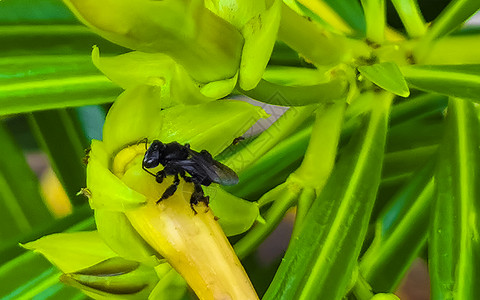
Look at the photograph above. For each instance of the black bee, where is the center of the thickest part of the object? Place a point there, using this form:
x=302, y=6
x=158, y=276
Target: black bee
x=180, y=160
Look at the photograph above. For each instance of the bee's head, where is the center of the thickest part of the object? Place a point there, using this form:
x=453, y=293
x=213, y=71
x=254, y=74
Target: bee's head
x=153, y=155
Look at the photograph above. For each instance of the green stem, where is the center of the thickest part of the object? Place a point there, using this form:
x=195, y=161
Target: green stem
x=273, y=217
x=401, y=232
x=465, y=47
x=375, y=17
x=305, y=200
x=322, y=148
x=411, y=17
x=362, y=290
x=452, y=17
x=315, y=43
x=278, y=131
x=282, y=95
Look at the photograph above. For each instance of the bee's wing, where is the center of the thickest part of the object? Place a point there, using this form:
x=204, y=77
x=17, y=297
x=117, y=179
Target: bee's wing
x=203, y=163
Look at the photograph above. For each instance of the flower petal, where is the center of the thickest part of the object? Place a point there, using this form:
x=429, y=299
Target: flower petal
x=207, y=46
x=234, y=214
x=172, y=82
x=133, y=116
x=119, y=235
x=211, y=126
x=106, y=190
x=71, y=252
x=116, y=278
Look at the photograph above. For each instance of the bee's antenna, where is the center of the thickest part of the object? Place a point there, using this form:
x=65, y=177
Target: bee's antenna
x=146, y=170
x=145, y=140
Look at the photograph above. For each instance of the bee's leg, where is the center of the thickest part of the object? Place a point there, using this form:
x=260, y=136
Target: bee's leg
x=206, y=154
x=160, y=176
x=171, y=189
x=198, y=196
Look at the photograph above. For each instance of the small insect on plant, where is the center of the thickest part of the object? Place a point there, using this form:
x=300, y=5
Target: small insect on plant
x=178, y=160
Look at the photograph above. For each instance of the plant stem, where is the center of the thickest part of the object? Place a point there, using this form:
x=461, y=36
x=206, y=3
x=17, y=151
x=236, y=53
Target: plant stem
x=278, y=131
x=322, y=148
x=451, y=18
x=282, y=95
x=375, y=18
x=411, y=17
x=315, y=43
x=362, y=290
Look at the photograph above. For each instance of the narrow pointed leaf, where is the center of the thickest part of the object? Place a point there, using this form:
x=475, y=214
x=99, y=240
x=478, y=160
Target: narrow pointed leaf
x=114, y=277
x=319, y=264
x=451, y=80
x=30, y=274
x=452, y=17
x=350, y=11
x=59, y=134
x=43, y=82
x=453, y=242
x=21, y=203
x=30, y=40
x=401, y=233
x=386, y=75
x=71, y=252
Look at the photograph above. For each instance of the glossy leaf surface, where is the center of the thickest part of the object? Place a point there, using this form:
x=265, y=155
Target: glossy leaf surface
x=454, y=244
x=386, y=75
x=319, y=264
x=451, y=80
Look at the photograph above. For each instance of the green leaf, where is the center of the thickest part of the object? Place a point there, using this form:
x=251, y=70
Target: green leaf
x=10, y=248
x=350, y=11
x=386, y=75
x=45, y=12
x=453, y=242
x=21, y=203
x=455, y=49
x=59, y=134
x=451, y=80
x=31, y=274
x=401, y=233
x=74, y=251
x=452, y=17
x=283, y=126
x=319, y=263
x=207, y=46
x=211, y=126
x=68, y=82
x=171, y=285
x=29, y=40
